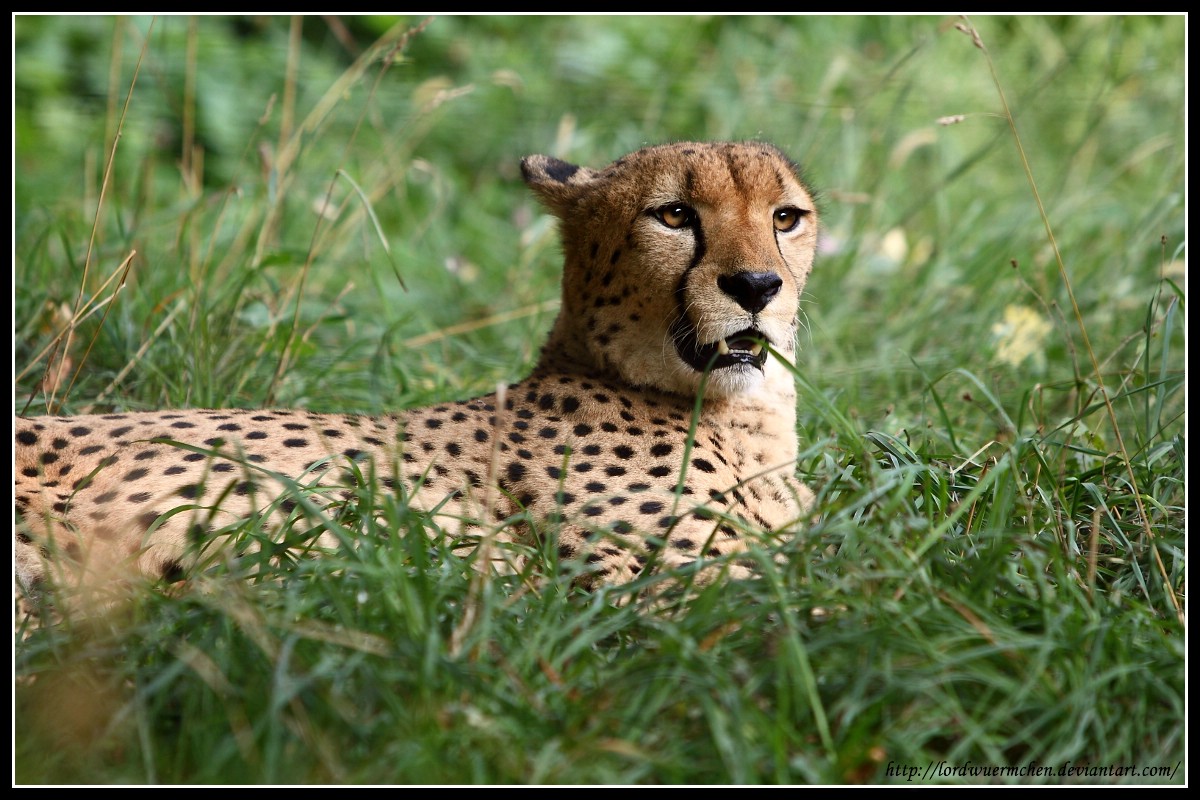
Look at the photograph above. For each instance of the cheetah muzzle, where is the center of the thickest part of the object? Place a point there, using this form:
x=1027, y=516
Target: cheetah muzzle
x=658, y=428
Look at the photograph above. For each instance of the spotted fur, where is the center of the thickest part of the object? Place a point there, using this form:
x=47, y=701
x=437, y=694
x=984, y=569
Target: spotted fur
x=681, y=261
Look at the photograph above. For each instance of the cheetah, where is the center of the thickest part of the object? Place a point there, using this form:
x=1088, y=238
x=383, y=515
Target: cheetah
x=658, y=426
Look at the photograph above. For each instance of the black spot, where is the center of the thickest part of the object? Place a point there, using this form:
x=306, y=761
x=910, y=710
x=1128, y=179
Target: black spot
x=661, y=449
x=136, y=474
x=172, y=571
x=256, y=435
x=223, y=466
x=180, y=425
x=453, y=449
x=570, y=404
x=352, y=453
x=592, y=450
x=595, y=487
x=216, y=441
x=548, y=433
x=583, y=466
x=660, y=471
x=138, y=497
x=148, y=519
x=245, y=487
x=553, y=472
x=600, y=397
x=638, y=487
x=80, y=431
x=117, y=433
x=608, y=427
x=618, y=500
x=614, y=472
x=49, y=458
x=582, y=430
x=59, y=444
x=229, y=426
x=546, y=402
x=593, y=511
x=621, y=526
x=680, y=544
x=623, y=451
x=31, y=472
x=27, y=437
x=433, y=422
x=515, y=437
x=295, y=442
x=703, y=465
x=87, y=451
x=332, y=433
x=481, y=435
x=145, y=455
x=516, y=471
x=107, y=497
x=190, y=491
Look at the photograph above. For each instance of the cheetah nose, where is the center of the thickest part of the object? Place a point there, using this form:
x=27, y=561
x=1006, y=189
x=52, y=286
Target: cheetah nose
x=752, y=290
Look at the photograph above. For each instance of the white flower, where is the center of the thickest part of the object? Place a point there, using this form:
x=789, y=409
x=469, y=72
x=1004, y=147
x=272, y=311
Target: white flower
x=1021, y=335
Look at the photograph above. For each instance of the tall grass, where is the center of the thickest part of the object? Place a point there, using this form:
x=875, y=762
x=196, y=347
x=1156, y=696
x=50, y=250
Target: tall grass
x=326, y=213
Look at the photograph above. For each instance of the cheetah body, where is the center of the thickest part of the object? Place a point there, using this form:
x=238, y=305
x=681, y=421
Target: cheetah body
x=681, y=261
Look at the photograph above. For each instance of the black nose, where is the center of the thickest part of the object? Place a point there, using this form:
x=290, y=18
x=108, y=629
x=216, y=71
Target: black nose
x=752, y=290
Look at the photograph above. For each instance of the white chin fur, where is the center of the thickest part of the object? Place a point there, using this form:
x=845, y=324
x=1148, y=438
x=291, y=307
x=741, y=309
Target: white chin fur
x=722, y=383
x=734, y=381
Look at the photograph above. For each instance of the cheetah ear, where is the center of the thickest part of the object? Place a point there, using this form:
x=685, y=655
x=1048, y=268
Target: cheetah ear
x=556, y=183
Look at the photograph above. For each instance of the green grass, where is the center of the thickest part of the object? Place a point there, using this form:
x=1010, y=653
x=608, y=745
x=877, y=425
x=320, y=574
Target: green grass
x=996, y=573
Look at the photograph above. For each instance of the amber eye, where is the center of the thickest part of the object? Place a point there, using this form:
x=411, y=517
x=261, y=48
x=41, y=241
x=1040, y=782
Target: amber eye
x=675, y=215
x=787, y=218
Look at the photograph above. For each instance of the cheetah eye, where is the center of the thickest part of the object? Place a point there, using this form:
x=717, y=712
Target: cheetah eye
x=787, y=218
x=675, y=215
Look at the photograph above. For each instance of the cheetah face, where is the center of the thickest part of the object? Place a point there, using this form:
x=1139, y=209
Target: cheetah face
x=739, y=295
x=684, y=264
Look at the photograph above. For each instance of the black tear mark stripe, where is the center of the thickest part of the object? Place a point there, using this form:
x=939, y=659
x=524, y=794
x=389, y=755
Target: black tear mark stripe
x=680, y=325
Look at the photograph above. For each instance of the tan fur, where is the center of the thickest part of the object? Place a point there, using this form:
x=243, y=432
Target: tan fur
x=594, y=437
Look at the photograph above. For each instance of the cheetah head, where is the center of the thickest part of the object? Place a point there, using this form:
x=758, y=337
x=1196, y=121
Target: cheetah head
x=684, y=264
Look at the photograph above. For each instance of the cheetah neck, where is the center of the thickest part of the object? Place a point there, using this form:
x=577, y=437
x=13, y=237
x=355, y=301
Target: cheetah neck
x=769, y=409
